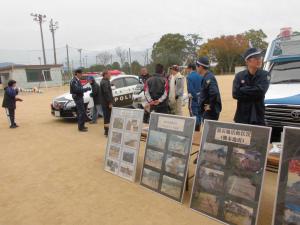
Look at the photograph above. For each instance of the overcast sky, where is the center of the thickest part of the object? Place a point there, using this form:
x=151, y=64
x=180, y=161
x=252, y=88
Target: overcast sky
x=98, y=24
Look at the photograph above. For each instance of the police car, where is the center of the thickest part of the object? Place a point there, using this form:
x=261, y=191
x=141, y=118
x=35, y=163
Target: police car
x=123, y=87
x=282, y=100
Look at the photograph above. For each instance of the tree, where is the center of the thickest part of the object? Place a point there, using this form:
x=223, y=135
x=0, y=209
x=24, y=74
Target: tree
x=126, y=68
x=104, y=58
x=193, y=44
x=226, y=51
x=121, y=54
x=135, y=67
x=169, y=50
x=116, y=66
x=95, y=68
x=257, y=38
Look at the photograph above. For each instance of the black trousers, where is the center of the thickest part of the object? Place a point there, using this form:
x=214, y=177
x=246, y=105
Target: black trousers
x=162, y=109
x=81, y=114
x=10, y=112
x=106, y=114
x=209, y=115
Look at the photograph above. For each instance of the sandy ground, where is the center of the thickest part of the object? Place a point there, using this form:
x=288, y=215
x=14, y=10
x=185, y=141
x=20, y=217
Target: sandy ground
x=50, y=174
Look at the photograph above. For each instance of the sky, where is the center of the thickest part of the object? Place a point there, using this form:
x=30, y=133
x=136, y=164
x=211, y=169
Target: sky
x=137, y=24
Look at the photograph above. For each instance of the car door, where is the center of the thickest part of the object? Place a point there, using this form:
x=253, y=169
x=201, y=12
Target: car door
x=120, y=92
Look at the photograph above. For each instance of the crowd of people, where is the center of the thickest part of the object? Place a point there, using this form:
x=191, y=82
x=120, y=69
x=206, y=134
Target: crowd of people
x=164, y=93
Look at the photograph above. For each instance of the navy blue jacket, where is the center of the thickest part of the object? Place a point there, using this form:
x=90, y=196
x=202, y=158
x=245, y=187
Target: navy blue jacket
x=76, y=89
x=210, y=94
x=9, y=100
x=194, y=82
x=249, y=91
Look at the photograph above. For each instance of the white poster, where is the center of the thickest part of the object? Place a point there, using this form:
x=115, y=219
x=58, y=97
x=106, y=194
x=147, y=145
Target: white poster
x=170, y=123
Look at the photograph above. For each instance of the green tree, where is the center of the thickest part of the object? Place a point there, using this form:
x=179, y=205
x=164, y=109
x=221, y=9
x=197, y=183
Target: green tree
x=170, y=49
x=135, y=67
x=126, y=68
x=257, y=38
x=193, y=45
x=116, y=66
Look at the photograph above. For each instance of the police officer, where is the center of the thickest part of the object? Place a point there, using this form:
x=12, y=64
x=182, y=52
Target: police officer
x=194, y=81
x=106, y=99
x=77, y=92
x=210, y=100
x=249, y=89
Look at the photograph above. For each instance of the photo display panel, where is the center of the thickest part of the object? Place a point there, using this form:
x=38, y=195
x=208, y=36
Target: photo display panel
x=167, y=154
x=287, y=204
x=230, y=170
x=124, y=142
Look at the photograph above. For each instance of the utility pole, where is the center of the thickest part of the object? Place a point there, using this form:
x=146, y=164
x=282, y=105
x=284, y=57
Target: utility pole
x=111, y=60
x=40, y=19
x=86, y=61
x=130, y=69
x=53, y=26
x=68, y=59
x=80, y=62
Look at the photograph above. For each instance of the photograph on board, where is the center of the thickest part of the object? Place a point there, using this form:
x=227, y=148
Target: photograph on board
x=214, y=153
x=157, y=139
x=154, y=158
x=236, y=213
x=116, y=137
x=178, y=144
x=126, y=171
x=210, y=179
x=205, y=202
x=114, y=152
x=112, y=166
x=128, y=155
x=243, y=187
x=247, y=160
x=171, y=186
x=131, y=140
x=132, y=125
x=175, y=165
x=150, y=178
x=118, y=123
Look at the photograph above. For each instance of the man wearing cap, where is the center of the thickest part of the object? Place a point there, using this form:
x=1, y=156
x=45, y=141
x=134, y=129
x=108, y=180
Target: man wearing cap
x=210, y=100
x=77, y=92
x=95, y=94
x=194, y=81
x=176, y=84
x=249, y=89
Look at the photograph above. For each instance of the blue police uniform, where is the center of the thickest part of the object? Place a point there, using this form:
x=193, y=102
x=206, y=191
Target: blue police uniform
x=249, y=91
x=77, y=92
x=194, y=81
x=210, y=95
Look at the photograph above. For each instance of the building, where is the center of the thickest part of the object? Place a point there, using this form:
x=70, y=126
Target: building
x=30, y=76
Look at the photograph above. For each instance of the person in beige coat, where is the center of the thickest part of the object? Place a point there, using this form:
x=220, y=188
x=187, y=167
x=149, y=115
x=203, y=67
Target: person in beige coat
x=176, y=84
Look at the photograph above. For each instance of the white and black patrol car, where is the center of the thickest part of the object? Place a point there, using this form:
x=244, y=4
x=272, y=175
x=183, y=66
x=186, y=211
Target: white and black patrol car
x=123, y=87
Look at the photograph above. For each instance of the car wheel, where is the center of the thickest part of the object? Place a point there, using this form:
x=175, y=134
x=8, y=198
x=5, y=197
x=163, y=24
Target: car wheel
x=89, y=113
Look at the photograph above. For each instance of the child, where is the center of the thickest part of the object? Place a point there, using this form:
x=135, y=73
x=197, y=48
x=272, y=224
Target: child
x=9, y=102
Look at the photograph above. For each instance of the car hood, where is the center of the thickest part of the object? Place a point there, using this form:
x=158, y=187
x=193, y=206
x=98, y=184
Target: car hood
x=287, y=94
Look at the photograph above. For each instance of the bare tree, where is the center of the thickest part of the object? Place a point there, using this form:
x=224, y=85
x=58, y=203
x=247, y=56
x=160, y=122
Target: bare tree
x=121, y=53
x=104, y=57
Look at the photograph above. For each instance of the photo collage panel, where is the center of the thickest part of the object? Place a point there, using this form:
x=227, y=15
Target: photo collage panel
x=165, y=163
x=287, y=204
x=229, y=175
x=124, y=142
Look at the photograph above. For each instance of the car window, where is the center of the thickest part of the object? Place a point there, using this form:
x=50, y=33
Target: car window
x=118, y=83
x=131, y=81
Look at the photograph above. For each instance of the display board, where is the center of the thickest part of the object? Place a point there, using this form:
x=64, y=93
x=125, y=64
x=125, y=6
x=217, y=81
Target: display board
x=230, y=170
x=287, y=203
x=124, y=142
x=167, y=154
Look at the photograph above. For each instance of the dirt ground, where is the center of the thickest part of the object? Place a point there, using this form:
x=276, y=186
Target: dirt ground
x=50, y=174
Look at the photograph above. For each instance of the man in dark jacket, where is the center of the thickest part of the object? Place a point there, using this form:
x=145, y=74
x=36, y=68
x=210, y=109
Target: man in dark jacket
x=9, y=102
x=157, y=91
x=106, y=99
x=95, y=94
x=210, y=99
x=77, y=92
x=249, y=89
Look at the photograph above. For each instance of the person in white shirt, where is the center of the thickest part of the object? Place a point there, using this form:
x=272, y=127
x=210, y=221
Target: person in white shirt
x=176, y=81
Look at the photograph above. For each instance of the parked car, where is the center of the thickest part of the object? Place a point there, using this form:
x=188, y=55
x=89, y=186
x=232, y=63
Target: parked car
x=84, y=78
x=282, y=100
x=123, y=87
